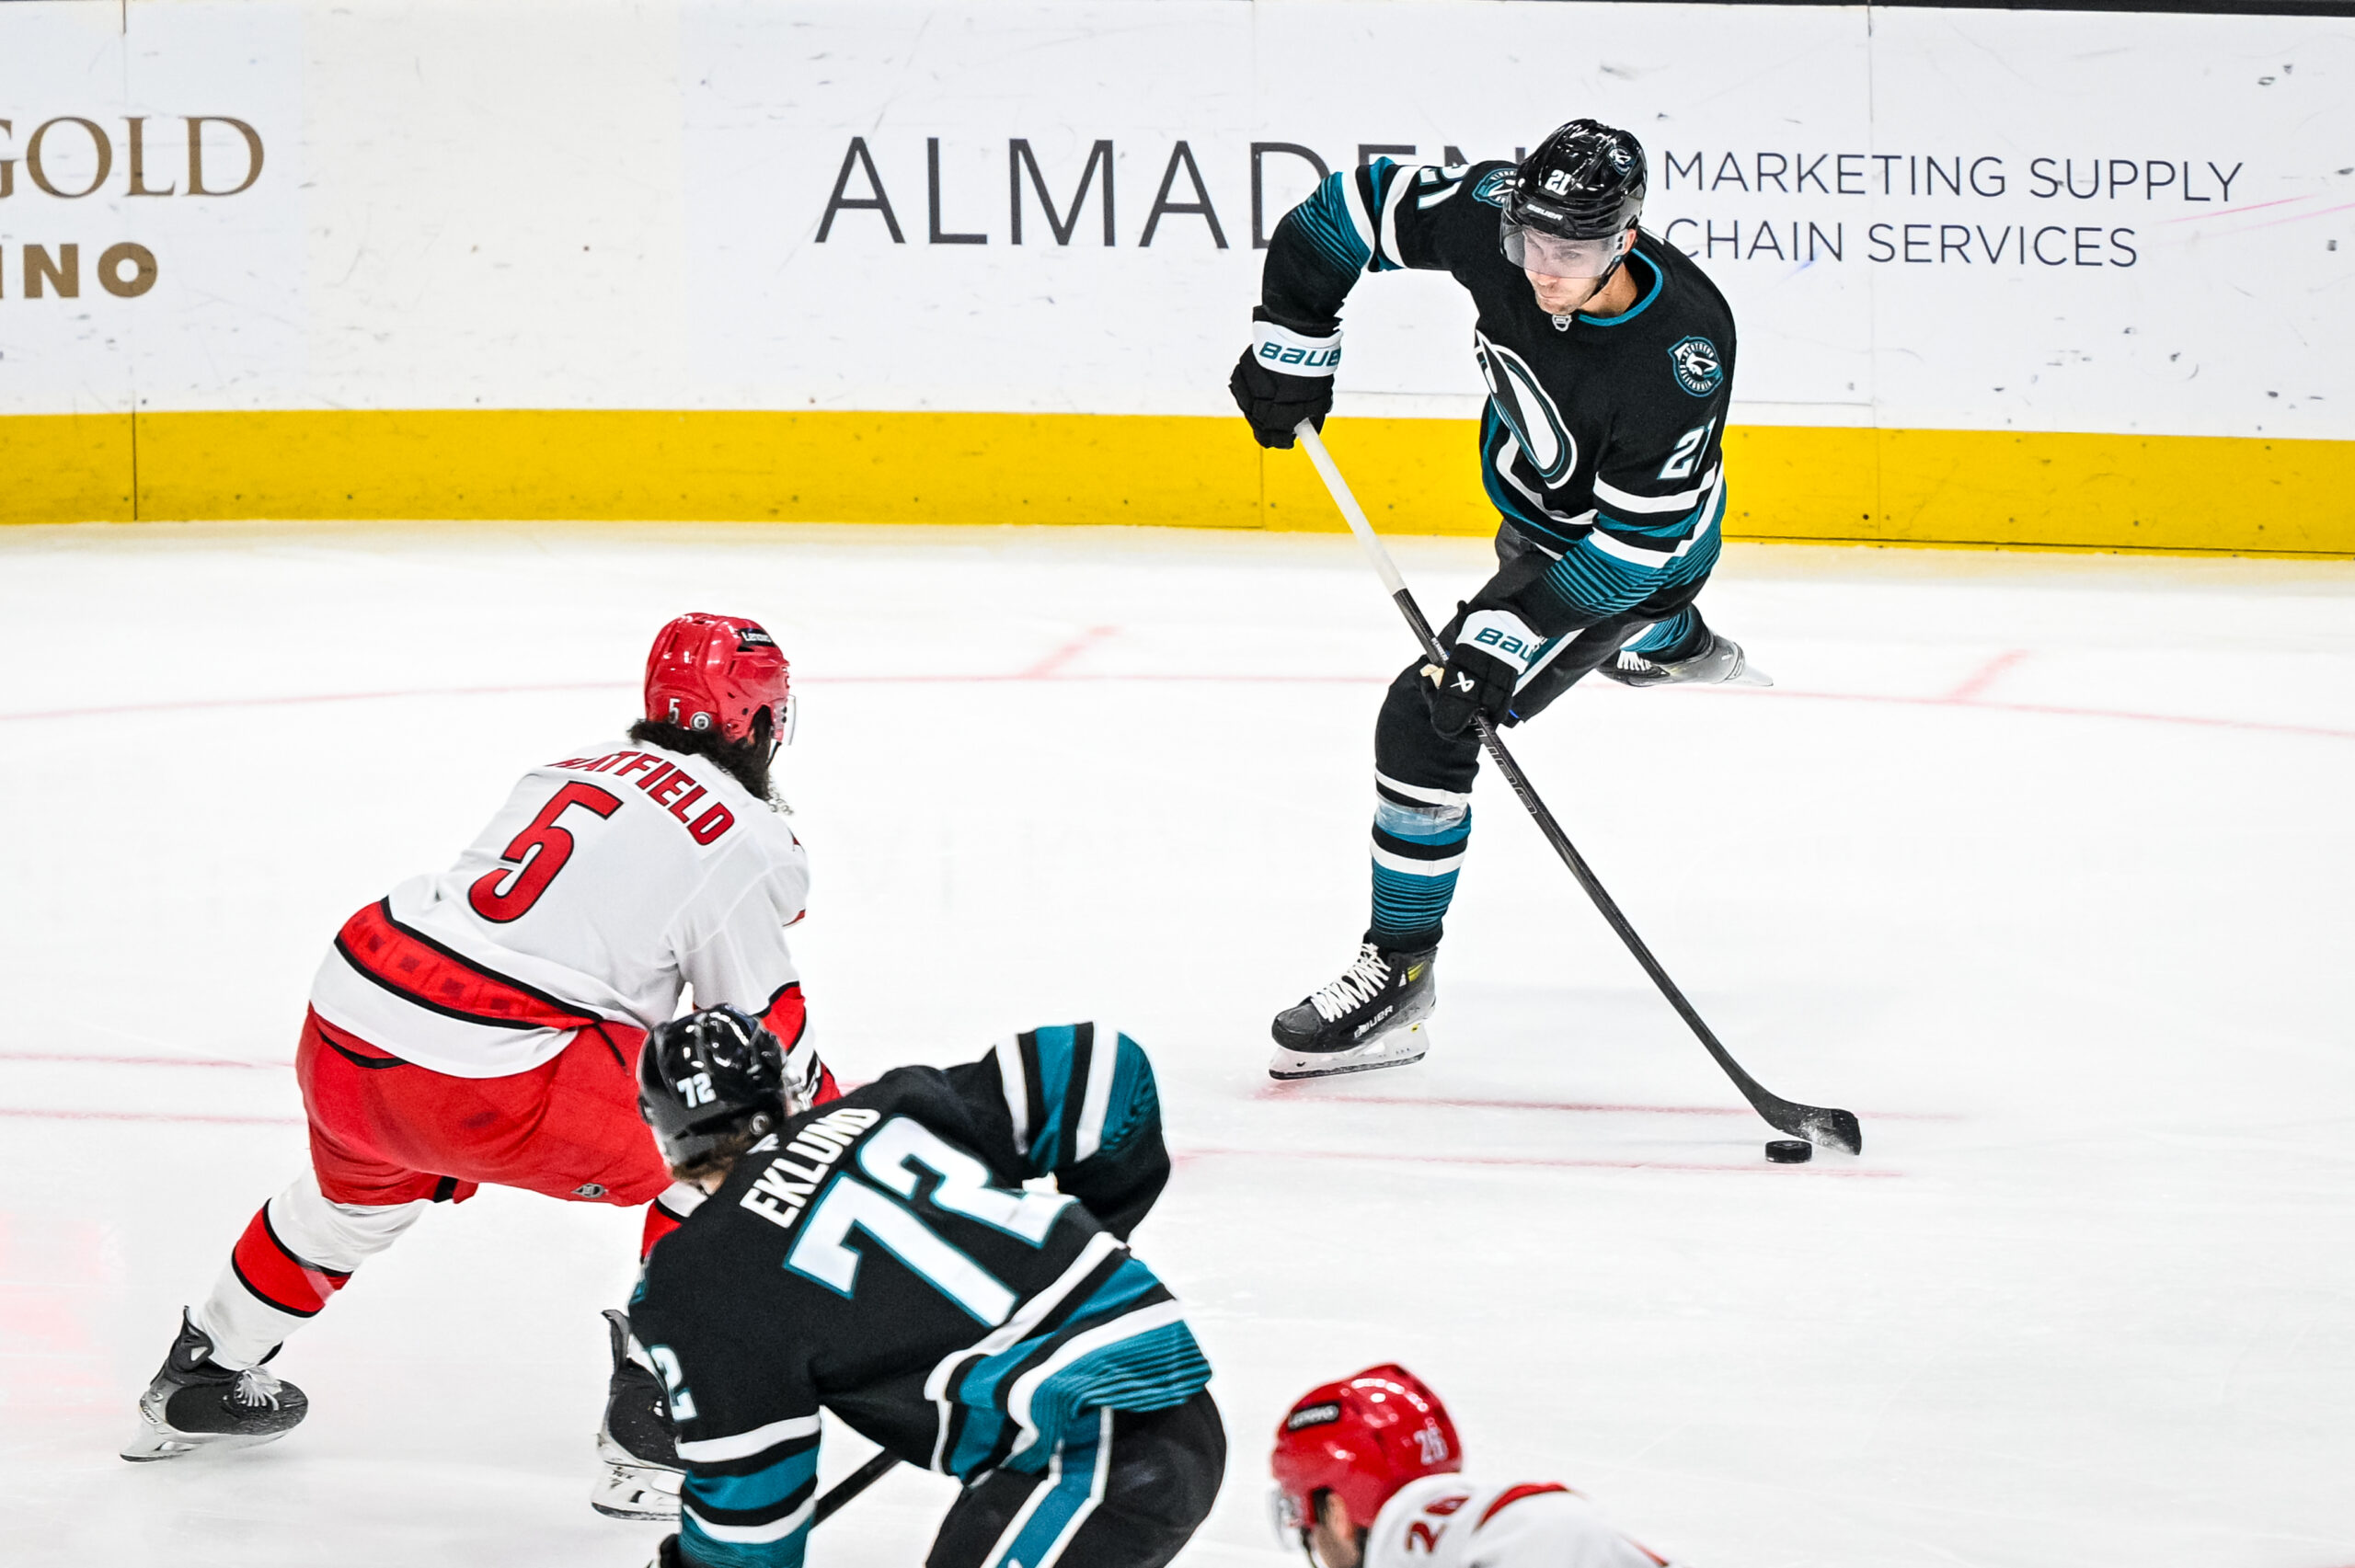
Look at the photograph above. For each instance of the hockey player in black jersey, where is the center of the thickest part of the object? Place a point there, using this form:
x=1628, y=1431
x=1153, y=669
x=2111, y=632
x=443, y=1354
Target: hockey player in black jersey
x=881, y=1258
x=1609, y=359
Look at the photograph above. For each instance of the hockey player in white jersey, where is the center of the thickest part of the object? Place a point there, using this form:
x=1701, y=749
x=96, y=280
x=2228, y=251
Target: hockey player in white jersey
x=482, y=1024
x=1369, y=1475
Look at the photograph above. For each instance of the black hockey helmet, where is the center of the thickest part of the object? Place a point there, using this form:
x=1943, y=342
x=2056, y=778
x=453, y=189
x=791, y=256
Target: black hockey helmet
x=1583, y=185
x=707, y=1079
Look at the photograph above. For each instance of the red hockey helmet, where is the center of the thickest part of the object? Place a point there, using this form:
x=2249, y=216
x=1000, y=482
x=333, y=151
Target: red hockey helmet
x=1364, y=1438
x=718, y=671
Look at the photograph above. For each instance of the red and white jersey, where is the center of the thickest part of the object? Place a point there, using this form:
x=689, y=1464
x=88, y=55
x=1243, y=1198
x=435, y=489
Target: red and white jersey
x=608, y=882
x=1445, y=1521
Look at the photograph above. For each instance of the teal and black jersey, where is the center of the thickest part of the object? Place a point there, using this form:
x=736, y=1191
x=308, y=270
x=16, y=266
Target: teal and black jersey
x=1600, y=440
x=881, y=1258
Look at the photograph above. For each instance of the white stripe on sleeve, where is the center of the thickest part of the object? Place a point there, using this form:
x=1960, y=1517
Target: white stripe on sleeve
x=744, y=1445
x=1017, y=1086
x=756, y=1535
x=1088, y=1135
x=1369, y=224
x=1612, y=495
x=1126, y=1326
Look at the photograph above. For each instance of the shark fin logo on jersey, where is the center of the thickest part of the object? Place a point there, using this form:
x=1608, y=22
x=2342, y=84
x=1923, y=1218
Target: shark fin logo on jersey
x=1491, y=188
x=1527, y=411
x=1698, y=369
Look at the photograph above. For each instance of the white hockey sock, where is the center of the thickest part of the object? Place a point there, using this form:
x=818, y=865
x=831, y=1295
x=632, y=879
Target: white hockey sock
x=295, y=1254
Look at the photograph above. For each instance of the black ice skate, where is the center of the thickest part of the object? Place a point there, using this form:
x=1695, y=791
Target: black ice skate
x=1720, y=664
x=635, y=1447
x=1372, y=1016
x=195, y=1403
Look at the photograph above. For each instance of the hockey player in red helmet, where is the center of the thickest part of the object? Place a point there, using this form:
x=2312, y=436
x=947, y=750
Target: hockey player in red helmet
x=1368, y=1475
x=482, y=1024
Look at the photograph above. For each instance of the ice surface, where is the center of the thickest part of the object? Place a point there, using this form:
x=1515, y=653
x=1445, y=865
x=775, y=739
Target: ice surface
x=2040, y=864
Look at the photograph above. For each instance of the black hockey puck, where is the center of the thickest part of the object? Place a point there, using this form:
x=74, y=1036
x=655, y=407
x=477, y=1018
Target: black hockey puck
x=1790, y=1151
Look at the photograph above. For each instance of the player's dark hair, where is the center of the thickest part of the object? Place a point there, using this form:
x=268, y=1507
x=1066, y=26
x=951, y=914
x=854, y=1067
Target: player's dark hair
x=745, y=761
x=721, y=1157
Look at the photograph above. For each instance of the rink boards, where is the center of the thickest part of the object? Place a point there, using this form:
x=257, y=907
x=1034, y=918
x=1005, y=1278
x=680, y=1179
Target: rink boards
x=1954, y=488
x=2075, y=280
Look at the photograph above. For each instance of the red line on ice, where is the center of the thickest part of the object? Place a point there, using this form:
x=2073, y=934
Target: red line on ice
x=1281, y=1091
x=1538, y=1162
x=1985, y=676
x=142, y=1061
x=1779, y=694
x=54, y=1115
x=1049, y=666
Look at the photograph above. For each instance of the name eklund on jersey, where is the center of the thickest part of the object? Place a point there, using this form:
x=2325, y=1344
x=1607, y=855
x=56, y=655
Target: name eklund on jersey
x=780, y=1193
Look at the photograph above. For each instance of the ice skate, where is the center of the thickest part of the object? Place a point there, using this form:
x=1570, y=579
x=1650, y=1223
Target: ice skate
x=1372, y=1016
x=195, y=1403
x=638, y=1455
x=1720, y=664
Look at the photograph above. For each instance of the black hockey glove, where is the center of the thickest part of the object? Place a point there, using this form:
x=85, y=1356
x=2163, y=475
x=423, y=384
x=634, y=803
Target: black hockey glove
x=1284, y=377
x=667, y=1555
x=1492, y=653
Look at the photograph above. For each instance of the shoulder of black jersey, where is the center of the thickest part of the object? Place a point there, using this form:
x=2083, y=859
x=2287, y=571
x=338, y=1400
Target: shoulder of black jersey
x=1674, y=347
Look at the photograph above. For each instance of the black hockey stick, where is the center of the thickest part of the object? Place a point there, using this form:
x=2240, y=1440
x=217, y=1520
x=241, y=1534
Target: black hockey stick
x=851, y=1486
x=1817, y=1124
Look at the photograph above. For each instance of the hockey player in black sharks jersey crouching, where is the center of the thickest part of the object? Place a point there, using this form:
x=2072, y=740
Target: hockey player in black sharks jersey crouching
x=881, y=1258
x=1609, y=358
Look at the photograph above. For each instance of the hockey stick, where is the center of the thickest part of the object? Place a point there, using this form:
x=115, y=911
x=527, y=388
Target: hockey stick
x=851, y=1486
x=1817, y=1124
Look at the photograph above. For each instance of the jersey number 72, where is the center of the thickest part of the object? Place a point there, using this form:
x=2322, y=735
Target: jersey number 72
x=891, y=1155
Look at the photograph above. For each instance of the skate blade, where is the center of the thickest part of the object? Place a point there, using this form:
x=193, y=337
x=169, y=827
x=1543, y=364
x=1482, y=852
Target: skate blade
x=1400, y=1046
x=628, y=1490
x=163, y=1443
x=1749, y=675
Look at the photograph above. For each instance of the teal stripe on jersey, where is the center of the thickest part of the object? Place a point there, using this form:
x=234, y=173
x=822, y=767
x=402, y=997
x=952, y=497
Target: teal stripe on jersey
x=1152, y=1370
x=1380, y=176
x=1134, y=1104
x=763, y=1492
x=1071, y=1495
x=1324, y=220
x=698, y=1547
x=1057, y=1046
x=1669, y=638
x=976, y=1440
x=980, y=1388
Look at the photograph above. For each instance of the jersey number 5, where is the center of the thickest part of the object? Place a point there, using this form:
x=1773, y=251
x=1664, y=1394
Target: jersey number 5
x=538, y=853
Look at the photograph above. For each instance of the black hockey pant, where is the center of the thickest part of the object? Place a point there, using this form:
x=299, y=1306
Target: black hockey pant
x=1129, y=1495
x=1423, y=779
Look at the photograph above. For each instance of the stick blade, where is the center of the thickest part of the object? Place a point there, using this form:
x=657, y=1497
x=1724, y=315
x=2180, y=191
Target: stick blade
x=1827, y=1128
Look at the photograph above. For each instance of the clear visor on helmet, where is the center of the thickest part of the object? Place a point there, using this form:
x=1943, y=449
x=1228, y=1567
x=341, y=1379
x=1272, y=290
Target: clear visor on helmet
x=1290, y=1524
x=1550, y=256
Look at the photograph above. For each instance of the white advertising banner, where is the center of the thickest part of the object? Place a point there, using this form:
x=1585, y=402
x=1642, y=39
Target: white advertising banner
x=1925, y=219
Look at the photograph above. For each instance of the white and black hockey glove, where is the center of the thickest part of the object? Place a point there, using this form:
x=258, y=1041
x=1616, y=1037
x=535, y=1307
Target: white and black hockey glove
x=1492, y=653
x=1284, y=377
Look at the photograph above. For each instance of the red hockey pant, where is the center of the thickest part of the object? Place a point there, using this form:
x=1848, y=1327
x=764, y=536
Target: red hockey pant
x=388, y=1138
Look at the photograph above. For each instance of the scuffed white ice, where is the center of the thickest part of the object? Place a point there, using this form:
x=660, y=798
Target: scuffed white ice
x=2086, y=1299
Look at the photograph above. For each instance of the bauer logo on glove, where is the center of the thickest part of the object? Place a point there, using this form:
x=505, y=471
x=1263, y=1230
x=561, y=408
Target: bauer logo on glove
x=1494, y=650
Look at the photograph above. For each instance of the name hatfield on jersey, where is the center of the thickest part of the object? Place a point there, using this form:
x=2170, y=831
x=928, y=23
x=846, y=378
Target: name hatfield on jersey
x=670, y=785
